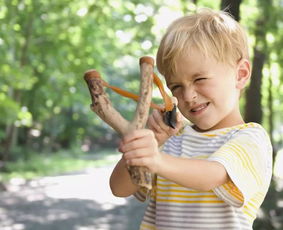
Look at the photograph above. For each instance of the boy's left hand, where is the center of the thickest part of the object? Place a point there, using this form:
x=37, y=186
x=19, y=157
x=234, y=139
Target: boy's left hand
x=161, y=130
x=140, y=148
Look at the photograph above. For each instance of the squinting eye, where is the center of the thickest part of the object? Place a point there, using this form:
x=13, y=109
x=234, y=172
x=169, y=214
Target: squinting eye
x=200, y=79
x=174, y=87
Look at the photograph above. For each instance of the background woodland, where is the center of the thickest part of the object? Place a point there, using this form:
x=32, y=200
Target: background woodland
x=47, y=45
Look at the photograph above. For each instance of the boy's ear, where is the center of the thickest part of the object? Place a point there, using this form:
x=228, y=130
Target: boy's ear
x=243, y=73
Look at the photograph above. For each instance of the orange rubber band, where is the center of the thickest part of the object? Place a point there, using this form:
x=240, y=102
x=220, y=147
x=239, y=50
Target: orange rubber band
x=167, y=100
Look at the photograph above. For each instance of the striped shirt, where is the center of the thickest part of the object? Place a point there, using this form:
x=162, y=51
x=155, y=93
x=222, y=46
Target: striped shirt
x=245, y=152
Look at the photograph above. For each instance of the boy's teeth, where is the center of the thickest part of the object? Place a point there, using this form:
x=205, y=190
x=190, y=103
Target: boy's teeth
x=199, y=108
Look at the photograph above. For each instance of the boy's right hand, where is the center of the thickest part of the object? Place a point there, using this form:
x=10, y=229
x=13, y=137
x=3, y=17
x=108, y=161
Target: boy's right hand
x=162, y=131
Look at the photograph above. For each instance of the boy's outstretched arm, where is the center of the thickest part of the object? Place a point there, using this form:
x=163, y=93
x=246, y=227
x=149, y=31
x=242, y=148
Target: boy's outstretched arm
x=120, y=181
x=140, y=148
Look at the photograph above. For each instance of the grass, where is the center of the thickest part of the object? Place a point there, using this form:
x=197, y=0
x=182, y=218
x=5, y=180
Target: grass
x=39, y=165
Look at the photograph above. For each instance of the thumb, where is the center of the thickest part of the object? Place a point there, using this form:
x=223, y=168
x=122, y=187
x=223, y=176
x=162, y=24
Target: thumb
x=179, y=116
x=180, y=120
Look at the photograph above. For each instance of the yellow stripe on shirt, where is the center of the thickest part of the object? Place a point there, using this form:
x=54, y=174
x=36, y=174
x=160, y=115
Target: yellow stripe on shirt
x=189, y=201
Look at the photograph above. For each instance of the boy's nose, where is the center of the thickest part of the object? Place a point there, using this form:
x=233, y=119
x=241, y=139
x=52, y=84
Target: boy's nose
x=190, y=94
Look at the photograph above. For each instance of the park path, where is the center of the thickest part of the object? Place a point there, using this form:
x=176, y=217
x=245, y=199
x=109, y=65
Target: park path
x=77, y=201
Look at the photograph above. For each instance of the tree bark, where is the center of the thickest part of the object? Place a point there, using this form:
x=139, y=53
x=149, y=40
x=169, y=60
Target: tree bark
x=232, y=7
x=271, y=112
x=102, y=106
x=253, y=110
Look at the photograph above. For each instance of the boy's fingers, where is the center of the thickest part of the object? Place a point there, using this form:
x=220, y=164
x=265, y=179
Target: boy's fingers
x=132, y=146
x=158, y=118
x=174, y=100
x=153, y=125
x=155, y=121
x=179, y=120
x=139, y=162
x=137, y=153
x=136, y=134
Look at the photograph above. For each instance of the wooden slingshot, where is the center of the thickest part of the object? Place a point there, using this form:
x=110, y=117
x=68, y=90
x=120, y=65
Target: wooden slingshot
x=102, y=106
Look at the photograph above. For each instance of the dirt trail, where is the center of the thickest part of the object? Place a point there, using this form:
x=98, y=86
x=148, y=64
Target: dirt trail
x=80, y=201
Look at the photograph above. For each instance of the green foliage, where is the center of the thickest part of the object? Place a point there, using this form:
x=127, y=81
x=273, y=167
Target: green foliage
x=47, y=45
x=8, y=110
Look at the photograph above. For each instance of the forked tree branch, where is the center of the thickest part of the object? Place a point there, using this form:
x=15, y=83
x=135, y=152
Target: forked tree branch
x=102, y=106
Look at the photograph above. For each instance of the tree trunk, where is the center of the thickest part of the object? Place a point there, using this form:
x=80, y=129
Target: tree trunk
x=253, y=110
x=7, y=142
x=11, y=130
x=270, y=108
x=232, y=7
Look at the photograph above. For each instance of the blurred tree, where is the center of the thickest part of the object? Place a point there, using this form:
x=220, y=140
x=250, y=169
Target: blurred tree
x=47, y=45
x=232, y=6
x=266, y=22
x=253, y=109
x=17, y=74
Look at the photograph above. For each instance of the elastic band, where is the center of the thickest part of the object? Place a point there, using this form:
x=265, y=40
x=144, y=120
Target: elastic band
x=166, y=98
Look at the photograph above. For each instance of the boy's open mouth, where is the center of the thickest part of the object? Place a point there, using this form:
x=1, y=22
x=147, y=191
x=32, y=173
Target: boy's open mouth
x=199, y=108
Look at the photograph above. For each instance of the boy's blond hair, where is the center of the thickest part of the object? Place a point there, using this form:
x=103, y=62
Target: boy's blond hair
x=213, y=33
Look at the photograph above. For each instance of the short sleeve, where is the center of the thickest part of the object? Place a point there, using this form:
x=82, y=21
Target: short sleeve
x=247, y=158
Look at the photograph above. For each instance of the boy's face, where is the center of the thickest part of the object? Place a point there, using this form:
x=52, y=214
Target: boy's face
x=207, y=91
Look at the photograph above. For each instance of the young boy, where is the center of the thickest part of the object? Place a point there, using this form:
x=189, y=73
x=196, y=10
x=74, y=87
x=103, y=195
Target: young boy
x=215, y=172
